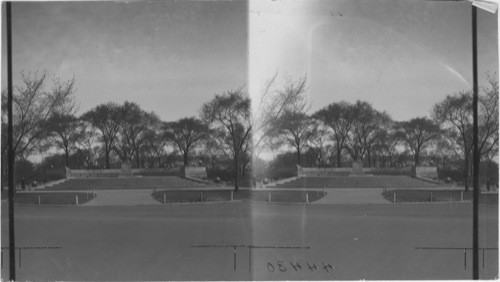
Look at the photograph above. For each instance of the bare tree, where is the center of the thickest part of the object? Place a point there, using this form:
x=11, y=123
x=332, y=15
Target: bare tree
x=139, y=142
x=339, y=117
x=320, y=141
x=229, y=114
x=444, y=152
x=385, y=148
x=88, y=143
x=186, y=134
x=32, y=106
x=488, y=117
x=455, y=114
x=418, y=133
x=157, y=141
x=107, y=118
x=366, y=128
x=65, y=131
x=131, y=134
x=293, y=128
x=273, y=104
x=215, y=149
x=246, y=156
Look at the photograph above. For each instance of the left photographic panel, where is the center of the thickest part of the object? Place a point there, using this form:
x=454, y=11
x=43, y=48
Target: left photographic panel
x=132, y=136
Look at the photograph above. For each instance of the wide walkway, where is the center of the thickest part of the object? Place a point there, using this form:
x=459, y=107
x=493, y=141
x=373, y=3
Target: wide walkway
x=122, y=198
x=353, y=196
x=134, y=197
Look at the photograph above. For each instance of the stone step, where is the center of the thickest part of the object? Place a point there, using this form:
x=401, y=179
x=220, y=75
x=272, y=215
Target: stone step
x=126, y=183
x=355, y=182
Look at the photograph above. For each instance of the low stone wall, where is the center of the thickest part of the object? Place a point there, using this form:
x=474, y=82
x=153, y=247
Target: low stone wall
x=322, y=171
x=390, y=171
x=95, y=173
x=421, y=171
x=199, y=172
x=429, y=172
x=173, y=171
x=89, y=173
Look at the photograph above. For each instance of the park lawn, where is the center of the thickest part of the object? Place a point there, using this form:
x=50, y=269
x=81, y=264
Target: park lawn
x=406, y=195
x=55, y=198
x=179, y=196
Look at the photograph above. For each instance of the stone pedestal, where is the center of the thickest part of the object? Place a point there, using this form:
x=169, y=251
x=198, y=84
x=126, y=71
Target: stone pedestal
x=299, y=171
x=199, y=172
x=424, y=172
x=357, y=168
x=126, y=170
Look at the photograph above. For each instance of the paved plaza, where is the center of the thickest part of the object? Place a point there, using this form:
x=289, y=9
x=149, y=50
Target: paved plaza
x=122, y=198
x=353, y=196
x=251, y=241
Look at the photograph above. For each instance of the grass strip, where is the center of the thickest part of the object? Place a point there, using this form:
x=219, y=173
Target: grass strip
x=410, y=195
x=56, y=198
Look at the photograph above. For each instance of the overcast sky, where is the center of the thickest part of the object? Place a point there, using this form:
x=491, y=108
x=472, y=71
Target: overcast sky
x=170, y=57
x=401, y=56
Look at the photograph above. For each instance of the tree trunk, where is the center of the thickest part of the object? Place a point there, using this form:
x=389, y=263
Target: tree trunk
x=4, y=170
x=107, y=158
x=417, y=158
x=185, y=158
x=339, y=163
x=137, y=161
x=66, y=153
x=236, y=188
x=466, y=173
x=369, y=157
x=298, y=156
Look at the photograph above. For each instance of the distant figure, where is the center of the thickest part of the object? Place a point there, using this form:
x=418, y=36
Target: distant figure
x=254, y=182
x=23, y=184
x=488, y=184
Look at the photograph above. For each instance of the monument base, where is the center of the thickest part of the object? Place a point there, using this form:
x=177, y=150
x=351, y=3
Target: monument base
x=126, y=170
x=357, y=168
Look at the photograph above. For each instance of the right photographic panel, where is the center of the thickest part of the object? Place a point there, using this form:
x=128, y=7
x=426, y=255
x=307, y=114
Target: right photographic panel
x=364, y=140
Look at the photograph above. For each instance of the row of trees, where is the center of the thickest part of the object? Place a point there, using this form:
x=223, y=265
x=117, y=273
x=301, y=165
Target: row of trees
x=226, y=133
x=124, y=132
x=360, y=132
x=355, y=131
x=46, y=120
